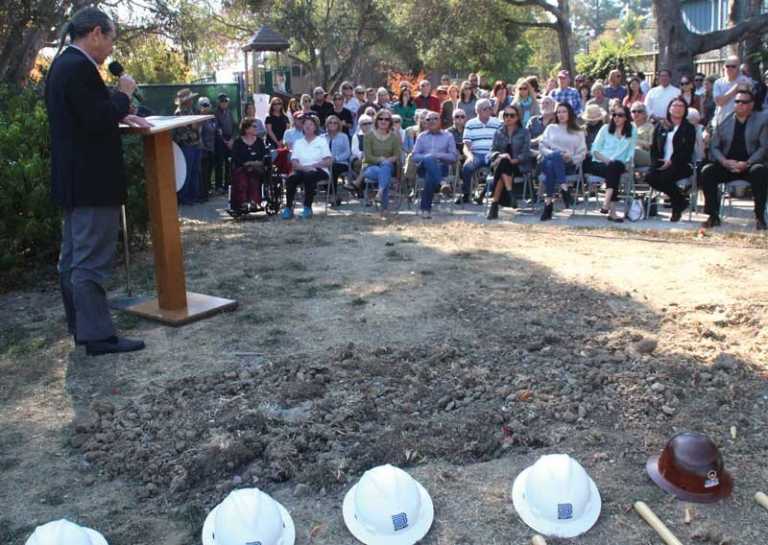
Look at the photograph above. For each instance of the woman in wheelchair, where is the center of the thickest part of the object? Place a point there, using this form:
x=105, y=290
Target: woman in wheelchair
x=248, y=153
x=510, y=157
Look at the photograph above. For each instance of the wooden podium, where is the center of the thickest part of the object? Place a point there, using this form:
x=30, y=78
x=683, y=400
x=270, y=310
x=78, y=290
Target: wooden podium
x=174, y=305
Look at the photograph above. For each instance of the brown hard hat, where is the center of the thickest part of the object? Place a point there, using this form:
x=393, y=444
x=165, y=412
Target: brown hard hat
x=691, y=468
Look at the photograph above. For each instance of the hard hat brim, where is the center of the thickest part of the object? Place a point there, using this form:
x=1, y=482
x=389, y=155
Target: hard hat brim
x=289, y=532
x=96, y=537
x=411, y=535
x=564, y=529
x=719, y=492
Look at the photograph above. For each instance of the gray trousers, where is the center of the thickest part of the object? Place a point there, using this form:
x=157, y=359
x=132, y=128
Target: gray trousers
x=88, y=245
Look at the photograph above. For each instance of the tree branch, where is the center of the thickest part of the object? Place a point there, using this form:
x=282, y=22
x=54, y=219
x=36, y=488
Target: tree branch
x=543, y=4
x=535, y=24
x=721, y=38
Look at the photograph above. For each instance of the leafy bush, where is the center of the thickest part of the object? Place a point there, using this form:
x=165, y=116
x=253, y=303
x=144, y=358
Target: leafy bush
x=30, y=224
x=605, y=56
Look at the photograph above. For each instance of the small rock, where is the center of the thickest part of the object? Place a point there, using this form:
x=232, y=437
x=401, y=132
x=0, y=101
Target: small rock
x=569, y=417
x=658, y=387
x=102, y=407
x=237, y=480
x=301, y=490
x=646, y=346
x=666, y=409
x=450, y=406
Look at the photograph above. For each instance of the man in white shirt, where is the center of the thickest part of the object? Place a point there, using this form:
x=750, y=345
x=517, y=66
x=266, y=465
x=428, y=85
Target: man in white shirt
x=478, y=138
x=659, y=97
x=725, y=89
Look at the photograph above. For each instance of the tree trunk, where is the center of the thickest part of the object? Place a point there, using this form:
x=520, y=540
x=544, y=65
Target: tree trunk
x=675, y=53
x=753, y=44
x=678, y=46
x=565, y=36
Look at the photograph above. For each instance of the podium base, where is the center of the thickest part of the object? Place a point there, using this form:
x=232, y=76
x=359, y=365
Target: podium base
x=198, y=307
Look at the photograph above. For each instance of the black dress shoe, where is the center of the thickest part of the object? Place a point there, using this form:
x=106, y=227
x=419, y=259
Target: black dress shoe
x=113, y=345
x=547, y=214
x=615, y=220
x=493, y=213
x=567, y=198
x=712, y=221
x=760, y=224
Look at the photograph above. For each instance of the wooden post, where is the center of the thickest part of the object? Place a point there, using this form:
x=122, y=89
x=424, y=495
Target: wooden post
x=166, y=239
x=174, y=305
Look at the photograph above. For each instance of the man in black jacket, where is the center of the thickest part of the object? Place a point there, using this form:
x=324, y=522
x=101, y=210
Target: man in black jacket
x=87, y=175
x=738, y=150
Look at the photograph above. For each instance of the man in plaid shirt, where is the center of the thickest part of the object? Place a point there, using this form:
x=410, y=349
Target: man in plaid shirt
x=564, y=93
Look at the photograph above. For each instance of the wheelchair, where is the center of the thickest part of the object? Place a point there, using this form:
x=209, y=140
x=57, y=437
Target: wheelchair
x=271, y=192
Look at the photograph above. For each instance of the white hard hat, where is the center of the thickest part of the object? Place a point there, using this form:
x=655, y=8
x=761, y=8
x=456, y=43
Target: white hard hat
x=388, y=507
x=556, y=497
x=63, y=532
x=248, y=517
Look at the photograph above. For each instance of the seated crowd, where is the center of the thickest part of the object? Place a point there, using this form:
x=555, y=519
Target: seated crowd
x=371, y=137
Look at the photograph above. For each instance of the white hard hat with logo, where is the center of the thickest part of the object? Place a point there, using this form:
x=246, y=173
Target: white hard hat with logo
x=556, y=497
x=249, y=517
x=64, y=532
x=388, y=507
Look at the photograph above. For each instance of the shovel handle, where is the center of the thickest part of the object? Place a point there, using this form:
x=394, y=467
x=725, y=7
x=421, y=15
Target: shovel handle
x=762, y=499
x=653, y=521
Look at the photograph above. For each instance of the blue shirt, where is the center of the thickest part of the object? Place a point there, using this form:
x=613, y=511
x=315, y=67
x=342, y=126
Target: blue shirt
x=568, y=95
x=339, y=147
x=439, y=145
x=614, y=147
x=614, y=92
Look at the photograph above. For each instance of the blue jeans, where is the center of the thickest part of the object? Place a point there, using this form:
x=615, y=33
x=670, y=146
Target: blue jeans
x=382, y=174
x=478, y=160
x=433, y=170
x=554, y=168
x=190, y=193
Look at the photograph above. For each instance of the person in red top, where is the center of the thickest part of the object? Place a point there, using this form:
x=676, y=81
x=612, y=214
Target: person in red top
x=424, y=100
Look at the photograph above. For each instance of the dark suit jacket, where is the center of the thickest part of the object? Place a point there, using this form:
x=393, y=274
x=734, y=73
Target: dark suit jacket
x=755, y=137
x=683, y=145
x=86, y=150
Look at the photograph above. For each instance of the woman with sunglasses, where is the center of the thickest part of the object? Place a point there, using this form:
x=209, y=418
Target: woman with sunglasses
x=500, y=98
x=382, y=154
x=510, y=157
x=671, y=155
x=634, y=92
x=306, y=104
x=688, y=93
x=364, y=126
x=612, y=152
x=644, y=130
x=525, y=101
x=338, y=142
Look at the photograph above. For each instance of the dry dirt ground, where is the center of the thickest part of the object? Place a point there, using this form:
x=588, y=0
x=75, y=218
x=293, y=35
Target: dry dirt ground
x=460, y=352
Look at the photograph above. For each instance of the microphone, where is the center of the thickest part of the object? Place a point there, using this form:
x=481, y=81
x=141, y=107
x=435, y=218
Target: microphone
x=117, y=70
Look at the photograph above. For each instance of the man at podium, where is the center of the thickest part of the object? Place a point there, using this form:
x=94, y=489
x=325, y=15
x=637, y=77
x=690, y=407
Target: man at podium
x=87, y=175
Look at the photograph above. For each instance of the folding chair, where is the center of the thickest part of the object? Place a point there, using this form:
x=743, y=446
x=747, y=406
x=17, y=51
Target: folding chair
x=597, y=182
x=453, y=179
x=726, y=193
x=525, y=179
x=577, y=179
x=689, y=183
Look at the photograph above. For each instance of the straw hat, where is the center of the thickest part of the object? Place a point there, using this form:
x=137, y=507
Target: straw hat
x=593, y=112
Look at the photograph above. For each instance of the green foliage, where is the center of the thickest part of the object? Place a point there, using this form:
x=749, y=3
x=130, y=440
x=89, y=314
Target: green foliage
x=605, y=56
x=152, y=59
x=30, y=224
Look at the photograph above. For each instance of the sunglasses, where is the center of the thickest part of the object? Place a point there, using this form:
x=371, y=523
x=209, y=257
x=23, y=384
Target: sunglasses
x=460, y=116
x=359, y=92
x=510, y=115
x=366, y=124
x=385, y=119
x=430, y=119
x=739, y=101
x=637, y=111
x=617, y=114
x=333, y=123
x=731, y=66
x=698, y=79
